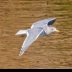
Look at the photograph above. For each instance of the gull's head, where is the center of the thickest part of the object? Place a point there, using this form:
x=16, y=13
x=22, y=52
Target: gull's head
x=53, y=29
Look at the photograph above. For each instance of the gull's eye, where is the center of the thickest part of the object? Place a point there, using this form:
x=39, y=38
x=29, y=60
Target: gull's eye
x=52, y=29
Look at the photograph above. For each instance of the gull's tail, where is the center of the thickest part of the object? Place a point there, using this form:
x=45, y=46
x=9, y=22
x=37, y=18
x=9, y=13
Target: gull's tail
x=21, y=32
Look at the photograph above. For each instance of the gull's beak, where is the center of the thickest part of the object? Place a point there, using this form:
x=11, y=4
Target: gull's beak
x=57, y=31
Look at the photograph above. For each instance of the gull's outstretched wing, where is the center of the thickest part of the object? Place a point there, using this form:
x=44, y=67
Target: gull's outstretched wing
x=43, y=23
x=32, y=35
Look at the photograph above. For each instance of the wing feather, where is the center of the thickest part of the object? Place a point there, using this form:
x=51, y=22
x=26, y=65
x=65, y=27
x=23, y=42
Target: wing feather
x=43, y=23
x=32, y=35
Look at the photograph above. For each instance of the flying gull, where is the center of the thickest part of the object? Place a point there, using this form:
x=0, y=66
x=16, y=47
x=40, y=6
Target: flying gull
x=39, y=28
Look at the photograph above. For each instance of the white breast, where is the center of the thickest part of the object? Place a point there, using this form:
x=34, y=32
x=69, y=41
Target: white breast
x=47, y=30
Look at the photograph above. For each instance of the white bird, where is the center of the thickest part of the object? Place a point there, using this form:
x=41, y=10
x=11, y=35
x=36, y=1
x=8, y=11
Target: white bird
x=39, y=28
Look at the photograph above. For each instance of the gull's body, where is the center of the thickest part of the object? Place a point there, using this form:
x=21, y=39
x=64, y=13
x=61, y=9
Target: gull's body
x=40, y=28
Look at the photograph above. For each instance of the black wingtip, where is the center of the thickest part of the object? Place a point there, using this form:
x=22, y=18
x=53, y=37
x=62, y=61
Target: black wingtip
x=51, y=21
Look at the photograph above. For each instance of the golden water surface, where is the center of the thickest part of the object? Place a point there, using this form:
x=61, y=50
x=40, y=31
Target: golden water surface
x=53, y=51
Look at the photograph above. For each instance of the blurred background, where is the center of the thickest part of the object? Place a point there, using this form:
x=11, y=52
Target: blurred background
x=54, y=51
